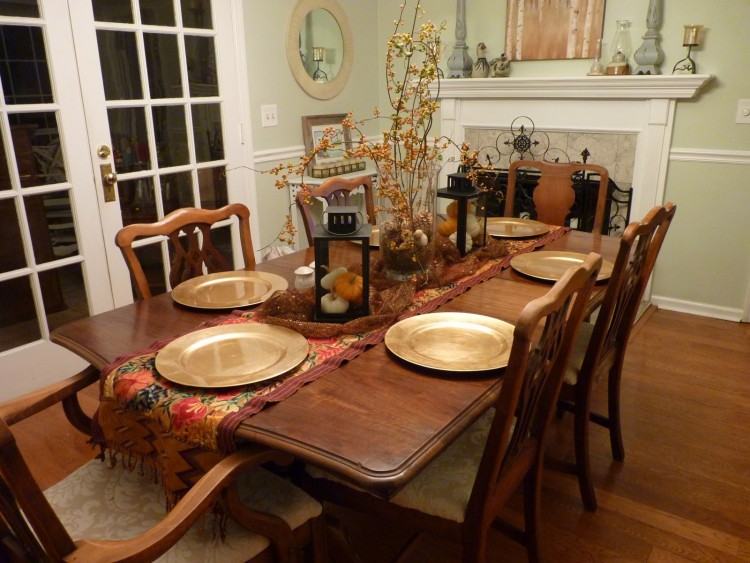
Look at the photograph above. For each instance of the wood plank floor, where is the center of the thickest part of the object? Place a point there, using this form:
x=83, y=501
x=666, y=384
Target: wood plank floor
x=682, y=494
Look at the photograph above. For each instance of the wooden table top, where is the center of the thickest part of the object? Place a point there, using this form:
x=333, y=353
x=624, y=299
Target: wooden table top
x=375, y=420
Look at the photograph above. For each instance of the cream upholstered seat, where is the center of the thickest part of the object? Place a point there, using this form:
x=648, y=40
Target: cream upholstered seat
x=97, y=501
x=443, y=487
x=580, y=346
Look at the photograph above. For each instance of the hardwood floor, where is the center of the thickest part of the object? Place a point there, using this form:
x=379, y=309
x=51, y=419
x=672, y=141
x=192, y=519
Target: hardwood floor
x=682, y=494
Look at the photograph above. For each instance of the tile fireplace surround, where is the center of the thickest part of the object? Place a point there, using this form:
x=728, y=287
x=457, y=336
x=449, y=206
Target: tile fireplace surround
x=642, y=106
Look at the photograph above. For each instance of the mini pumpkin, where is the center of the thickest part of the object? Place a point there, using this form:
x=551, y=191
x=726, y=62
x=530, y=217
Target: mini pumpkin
x=448, y=227
x=452, y=209
x=349, y=286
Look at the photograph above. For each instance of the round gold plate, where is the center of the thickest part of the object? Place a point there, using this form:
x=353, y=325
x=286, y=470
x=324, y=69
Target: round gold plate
x=227, y=290
x=513, y=227
x=230, y=355
x=456, y=342
x=550, y=265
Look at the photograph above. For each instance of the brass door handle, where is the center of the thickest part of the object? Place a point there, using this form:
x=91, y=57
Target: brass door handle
x=109, y=181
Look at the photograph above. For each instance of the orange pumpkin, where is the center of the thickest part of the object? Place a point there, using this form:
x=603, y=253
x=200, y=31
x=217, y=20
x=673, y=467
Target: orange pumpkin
x=452, y=210
x=349, y=286
x=448, y=227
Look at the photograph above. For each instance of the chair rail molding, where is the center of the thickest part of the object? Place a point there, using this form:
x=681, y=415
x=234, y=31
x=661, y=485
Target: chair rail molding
x=644, y=105
x=718, y=156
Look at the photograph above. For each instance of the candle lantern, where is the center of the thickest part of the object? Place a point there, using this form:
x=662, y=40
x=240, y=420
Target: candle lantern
x=690, y=38
x=465, y=224
x=341, y=294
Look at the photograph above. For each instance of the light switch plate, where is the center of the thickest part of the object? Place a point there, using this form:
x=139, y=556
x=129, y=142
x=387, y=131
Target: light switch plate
x=743, y=111
x=269, y=115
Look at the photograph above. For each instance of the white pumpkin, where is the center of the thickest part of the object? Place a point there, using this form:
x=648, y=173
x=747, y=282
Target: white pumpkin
x=332, y=304
x=327, y=281
x=473, y=228
x=469, y=243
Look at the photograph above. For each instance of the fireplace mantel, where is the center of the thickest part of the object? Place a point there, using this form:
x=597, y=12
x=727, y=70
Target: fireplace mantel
x=683, y=86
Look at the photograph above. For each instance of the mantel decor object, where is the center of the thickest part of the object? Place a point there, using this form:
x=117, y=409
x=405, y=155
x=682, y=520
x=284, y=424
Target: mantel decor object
x=649, y=55
x=621, y=50
x=341, y=292
x=691, y=38
x=460, y=63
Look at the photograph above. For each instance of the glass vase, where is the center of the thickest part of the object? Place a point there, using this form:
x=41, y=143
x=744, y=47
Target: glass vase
x=622, y=43
x=407, y=203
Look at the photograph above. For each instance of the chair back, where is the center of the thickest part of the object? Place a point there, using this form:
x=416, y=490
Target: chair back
x=335, y=191
x=639, y=248
x=191, y=253
x=29, y=528
x=554, y=195
x=542, y=342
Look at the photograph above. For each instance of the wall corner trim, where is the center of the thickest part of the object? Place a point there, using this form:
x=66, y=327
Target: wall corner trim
x=696, y=308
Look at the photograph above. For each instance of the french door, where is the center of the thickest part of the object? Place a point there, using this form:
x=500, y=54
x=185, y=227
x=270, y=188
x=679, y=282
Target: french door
x=52, y=260
x=162, y=111
x=111, y=112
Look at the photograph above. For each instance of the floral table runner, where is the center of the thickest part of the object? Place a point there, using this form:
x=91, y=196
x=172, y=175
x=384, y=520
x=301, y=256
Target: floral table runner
x=139, y=407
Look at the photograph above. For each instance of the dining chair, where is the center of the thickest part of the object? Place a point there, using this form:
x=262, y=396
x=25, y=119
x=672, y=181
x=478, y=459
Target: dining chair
x=335, y=191
x=600, y=347
x=461, y=492
x=191, y=252
x=554, y=195
x=273, y=519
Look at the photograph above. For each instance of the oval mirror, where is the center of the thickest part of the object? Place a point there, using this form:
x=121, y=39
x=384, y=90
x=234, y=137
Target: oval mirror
x=319, y=47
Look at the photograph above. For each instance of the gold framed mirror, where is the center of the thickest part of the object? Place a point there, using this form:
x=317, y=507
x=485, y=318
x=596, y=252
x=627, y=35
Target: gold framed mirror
x=319, y=47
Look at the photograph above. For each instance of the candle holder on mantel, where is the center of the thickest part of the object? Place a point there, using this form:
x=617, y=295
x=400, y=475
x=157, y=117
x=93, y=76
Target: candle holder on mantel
x=463, y=225
x=691, y=38
x=341, y=294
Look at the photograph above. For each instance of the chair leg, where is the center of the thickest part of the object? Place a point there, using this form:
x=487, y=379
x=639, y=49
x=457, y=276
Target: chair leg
x=583, y=462
x=531, y=505
x=615, y=425
x=319, y=544
x=474, y=549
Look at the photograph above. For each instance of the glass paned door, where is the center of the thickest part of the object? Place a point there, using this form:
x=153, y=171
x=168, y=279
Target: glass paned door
x=49, y=254
x=160, y=114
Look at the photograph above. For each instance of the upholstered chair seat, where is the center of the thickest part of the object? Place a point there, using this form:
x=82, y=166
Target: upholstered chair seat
x=578, y=353
x=97, y=501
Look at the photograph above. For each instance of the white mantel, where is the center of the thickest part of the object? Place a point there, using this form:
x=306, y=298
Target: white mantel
x=682, y=86
x=644, y=105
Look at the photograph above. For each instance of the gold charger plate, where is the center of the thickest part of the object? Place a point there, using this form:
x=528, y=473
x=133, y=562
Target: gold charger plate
x=550, y=265
x=456, y=342
x=230, y=355
x=227, y=290
x=514, y=227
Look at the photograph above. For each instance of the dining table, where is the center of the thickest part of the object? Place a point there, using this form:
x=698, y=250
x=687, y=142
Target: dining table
x=375, y=421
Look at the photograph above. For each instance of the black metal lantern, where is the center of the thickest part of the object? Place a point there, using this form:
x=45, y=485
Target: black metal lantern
x=340, y=294
x=470, y=227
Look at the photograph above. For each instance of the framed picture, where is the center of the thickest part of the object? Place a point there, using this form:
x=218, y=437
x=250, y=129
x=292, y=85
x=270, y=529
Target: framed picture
x=313, y=129
x=553, y=29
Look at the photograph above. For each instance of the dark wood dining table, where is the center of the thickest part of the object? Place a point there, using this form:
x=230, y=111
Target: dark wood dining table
x=374, y=421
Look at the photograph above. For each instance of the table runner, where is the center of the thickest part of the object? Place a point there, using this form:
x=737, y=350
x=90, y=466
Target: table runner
x=139, y=408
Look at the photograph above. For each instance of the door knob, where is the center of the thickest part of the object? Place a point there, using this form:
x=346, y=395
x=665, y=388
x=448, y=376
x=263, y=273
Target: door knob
x=109, y=181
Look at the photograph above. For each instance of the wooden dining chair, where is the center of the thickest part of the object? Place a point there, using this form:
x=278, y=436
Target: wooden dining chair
x=554, y=195
x=336, y=191
x=191, y=252
x=273, y=518
x=459, y=495
x=600, y=348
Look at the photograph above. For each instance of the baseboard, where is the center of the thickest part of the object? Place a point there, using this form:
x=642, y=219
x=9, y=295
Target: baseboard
x=695, y=308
